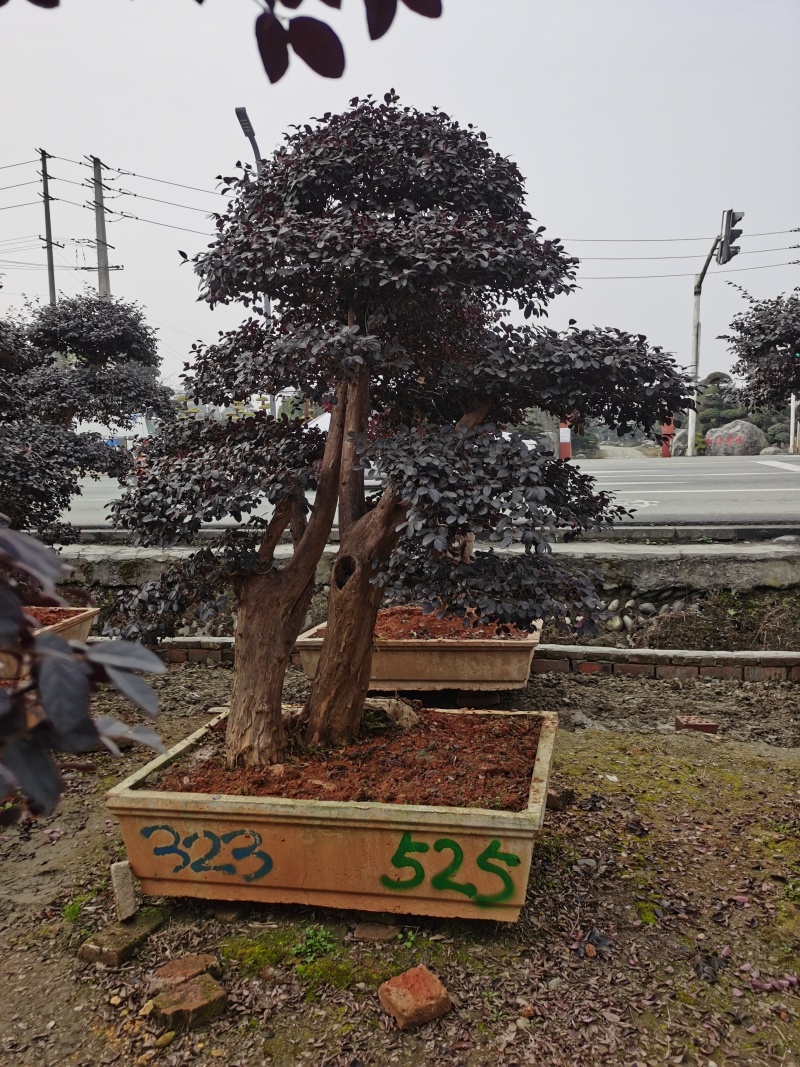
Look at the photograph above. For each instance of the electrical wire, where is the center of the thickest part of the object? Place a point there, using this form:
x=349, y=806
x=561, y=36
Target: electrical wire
x=618, y=277
x=18, y=185
x=697, y=255
x=24, y=163
x=8, y=207
x=163, y=181
x=155, y=199
x=655, y=240
x=152, y=222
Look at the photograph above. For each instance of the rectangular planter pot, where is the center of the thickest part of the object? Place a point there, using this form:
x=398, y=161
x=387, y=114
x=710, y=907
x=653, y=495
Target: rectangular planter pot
x=75, y=627
x=407, y=859
x=441, y=663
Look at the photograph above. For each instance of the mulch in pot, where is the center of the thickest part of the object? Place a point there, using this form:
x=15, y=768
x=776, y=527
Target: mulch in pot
x=409, y=622
x=445, y=759
x=50, y=616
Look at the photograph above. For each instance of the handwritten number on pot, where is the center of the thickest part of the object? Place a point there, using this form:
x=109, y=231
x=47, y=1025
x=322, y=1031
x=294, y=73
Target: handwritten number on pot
x=489, y=861
x=400, y=859
x=168, y=850
x=443, y=879
x=202, y=864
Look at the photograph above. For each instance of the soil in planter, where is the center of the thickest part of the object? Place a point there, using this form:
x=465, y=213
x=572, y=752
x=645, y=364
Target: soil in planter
x=410, y=622
x=51, y=616
x=447, y=760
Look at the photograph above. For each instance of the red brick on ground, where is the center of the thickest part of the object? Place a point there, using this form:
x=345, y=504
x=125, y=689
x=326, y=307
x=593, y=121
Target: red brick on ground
x=642, y=670
x=694, y=722
x=191, y=1004
x=183, y=969
x=544, y=666
x=669, y=670
x=414, y=997
x=595, y=667
x=729, y=673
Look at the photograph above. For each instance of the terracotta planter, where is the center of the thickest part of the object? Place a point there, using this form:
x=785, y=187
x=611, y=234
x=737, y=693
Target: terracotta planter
x=75, y=625
x=467, y=862
x=440, y=663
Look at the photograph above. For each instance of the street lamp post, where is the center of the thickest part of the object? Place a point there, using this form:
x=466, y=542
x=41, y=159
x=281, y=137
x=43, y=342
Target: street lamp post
x=250, y=134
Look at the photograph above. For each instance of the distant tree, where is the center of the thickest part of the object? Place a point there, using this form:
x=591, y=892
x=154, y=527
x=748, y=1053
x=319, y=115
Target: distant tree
x=765, y=340
x=389, y=241
x=83, y=359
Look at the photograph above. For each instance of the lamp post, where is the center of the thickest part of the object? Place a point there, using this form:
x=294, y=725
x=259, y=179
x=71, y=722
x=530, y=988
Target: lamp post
x=250, y=134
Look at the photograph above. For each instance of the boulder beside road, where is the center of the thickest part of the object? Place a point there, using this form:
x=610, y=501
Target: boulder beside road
x=737, y=438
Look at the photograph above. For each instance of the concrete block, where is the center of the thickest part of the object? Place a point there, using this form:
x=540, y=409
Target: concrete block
x=123, y=886
x=191, y=1004
x=117, y=942
x=414, y=998
x=641, y=670
x=672, y=670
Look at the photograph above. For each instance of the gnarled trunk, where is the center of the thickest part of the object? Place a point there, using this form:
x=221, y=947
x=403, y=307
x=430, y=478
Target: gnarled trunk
x=272, y=609
x=333, y=709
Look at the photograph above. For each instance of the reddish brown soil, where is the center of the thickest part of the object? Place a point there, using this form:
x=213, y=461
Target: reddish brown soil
x=448, y=760
x=405, y=622
x=50, y=616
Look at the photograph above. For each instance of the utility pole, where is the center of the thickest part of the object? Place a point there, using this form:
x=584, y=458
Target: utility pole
x=693, y=369
x=250, y=134
x=793, y=425
x=725, y=250
x=48, y=232
x=103, y=276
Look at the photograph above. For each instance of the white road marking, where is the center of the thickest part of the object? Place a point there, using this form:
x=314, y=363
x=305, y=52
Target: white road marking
x=777, y=463
x=771, y=489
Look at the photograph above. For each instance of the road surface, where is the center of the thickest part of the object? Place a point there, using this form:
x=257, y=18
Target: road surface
x=680, y=491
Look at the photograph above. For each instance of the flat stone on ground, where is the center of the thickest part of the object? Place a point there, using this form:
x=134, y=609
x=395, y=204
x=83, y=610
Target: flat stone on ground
x=375, y=932
x=694, y=722
x=414, y=997
x=183, y=969
x=116, y=942
x=191, y=1004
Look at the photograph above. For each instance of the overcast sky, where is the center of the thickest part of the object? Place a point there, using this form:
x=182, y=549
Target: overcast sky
x=629, y=119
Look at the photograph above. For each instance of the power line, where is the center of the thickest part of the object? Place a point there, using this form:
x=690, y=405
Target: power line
x=18, y=185
x=8, y=207
x=655, y=240
x=24, y=163
x=618, y=277
x=163, y=181
x=699, y=255
x=152, y=222
x=155, y=199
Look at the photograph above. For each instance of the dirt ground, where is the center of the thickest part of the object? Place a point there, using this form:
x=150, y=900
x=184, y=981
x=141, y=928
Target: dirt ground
x=662, y=924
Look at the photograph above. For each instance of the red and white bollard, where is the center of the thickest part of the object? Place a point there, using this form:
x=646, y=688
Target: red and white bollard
x=564, y=441
x=667, y=433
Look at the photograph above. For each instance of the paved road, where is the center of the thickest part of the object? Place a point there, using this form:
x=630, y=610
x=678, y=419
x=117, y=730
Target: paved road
x=701, y=490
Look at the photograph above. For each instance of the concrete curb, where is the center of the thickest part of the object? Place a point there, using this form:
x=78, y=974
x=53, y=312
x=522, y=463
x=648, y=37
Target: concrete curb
x=664, y=663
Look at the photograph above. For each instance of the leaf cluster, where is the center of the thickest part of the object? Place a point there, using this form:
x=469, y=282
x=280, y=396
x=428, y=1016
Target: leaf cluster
x=765, y=340
x=46, y=709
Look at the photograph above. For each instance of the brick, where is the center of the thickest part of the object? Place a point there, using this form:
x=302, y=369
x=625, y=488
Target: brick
x=794, y=674
x=559, y=799
x=764, y=674
x=115, y=943
x=375, y=932
x=671, y=670
x=414, y=998
x=213, y=655
x=694, y=722
x=296, y=660
x=542, y=666
x=725, y=673
x=641, y=670
x=228, y=656
x=126, y=899
x=183, y=969
x=175, y=655
x=191, y=1004
x=598, y=667
x=196, y=655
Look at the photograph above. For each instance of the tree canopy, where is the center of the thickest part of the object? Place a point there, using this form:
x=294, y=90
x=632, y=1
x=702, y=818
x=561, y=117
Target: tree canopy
x=409, y=283
x=765, y=340
x=84, y=359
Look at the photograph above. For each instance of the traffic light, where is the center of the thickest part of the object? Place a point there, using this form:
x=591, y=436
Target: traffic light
x=726, y=249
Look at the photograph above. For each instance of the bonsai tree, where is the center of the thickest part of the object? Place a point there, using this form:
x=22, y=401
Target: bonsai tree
x=83, y=359
x=391, y=242
x=765, y=339
x=45, y=707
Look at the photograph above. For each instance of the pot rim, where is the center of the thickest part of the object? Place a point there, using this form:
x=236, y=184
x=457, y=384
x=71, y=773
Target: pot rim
x=132, y=794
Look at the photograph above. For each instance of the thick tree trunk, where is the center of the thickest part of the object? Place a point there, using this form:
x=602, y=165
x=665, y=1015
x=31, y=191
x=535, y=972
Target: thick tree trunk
x=270, y=617
x=272, y=608
x=333, y=710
